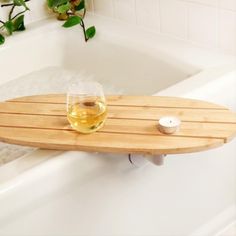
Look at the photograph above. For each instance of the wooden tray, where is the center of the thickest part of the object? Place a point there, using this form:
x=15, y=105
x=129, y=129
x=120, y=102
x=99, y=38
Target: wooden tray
x=40, y=121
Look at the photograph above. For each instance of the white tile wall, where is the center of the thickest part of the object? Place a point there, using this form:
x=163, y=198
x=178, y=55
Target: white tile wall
x=210, y=23
x=203, y=24
x=148, y=14
x=173, y=17
x=228, y=4
x=125, y=10
x=3, y=13
x=38, y=9
x=206, y=2
x=227, y=29
x=103, y=7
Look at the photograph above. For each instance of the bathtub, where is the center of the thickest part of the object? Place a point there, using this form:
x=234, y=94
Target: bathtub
x=77, y=193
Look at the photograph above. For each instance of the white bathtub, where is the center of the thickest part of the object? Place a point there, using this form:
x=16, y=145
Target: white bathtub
x=77, y=193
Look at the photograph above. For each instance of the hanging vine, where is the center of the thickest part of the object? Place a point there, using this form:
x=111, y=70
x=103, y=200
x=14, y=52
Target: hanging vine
x=15, y=19
x=70, y=11
x=73, y=13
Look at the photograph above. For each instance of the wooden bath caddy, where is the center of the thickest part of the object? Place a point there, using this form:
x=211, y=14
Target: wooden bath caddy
x=131, y=127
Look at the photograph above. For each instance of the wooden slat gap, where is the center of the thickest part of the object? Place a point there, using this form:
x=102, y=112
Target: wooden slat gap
x=35, y=102
x=117, y=132
x=112, y=117
x=33, y=127
x=122, y=105
x=30, y=114
x=171, y=107
x=191, y=121
x=163, y=135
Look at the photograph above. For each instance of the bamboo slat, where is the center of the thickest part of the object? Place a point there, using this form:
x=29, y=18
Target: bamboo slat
x=131, y=127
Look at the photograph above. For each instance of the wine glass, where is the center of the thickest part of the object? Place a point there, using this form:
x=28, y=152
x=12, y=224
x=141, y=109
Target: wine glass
x=86, y=106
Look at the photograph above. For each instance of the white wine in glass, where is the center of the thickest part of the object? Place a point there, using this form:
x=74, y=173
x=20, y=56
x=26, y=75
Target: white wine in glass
x=86, y=106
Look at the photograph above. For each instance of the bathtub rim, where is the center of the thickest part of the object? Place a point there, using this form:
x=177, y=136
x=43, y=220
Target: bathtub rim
x=204, y=60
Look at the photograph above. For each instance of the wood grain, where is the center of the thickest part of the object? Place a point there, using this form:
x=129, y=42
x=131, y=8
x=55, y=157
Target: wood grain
x=155, y=101
x=131, y=127
x=138, y=127
x=108, y=142
x=124, y=112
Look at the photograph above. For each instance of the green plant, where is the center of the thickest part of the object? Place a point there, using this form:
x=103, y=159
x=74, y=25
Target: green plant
x=15, y=21
x=73, y=13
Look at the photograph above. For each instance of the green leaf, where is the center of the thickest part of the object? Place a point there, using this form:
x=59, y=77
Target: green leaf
x=72, y=21
x=50, y=3
x=20, y=3
x=9, y=27
x=19, y=23
x=63, y=8
x=81, y=6
x=2, y=39
x=56, y=3
x=90, y=32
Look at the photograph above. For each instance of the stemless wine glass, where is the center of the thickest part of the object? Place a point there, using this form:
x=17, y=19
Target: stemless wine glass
x=86, y=106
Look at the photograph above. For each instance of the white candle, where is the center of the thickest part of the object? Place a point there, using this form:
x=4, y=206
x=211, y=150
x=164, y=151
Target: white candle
x=169, y=124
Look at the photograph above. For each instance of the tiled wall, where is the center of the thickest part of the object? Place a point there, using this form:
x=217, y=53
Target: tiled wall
x=210, y=23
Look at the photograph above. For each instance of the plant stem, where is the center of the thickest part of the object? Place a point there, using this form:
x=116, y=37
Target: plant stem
x=83, y=26
x=11, y=11
x=18, y=14
x=84, y=13
x=11, y=4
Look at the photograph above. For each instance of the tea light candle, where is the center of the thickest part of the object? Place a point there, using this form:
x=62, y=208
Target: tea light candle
x=169, y=124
